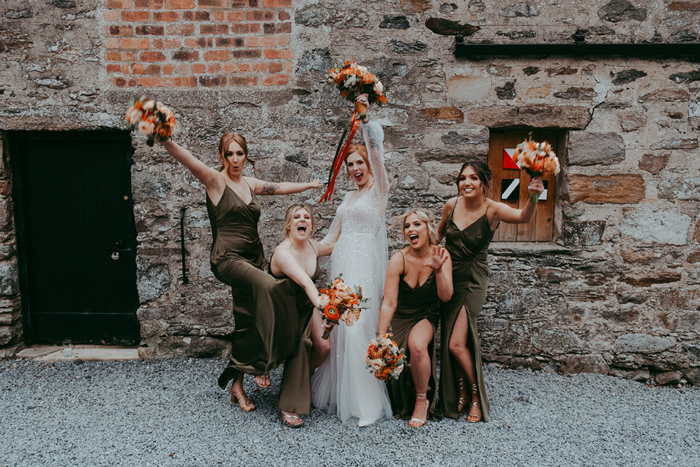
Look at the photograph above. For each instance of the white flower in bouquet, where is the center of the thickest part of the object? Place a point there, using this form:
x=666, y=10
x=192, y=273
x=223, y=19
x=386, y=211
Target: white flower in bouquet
x=148, y=106
x=146, y=127
x=323, y=300
x=134, y=116
x=378, y=87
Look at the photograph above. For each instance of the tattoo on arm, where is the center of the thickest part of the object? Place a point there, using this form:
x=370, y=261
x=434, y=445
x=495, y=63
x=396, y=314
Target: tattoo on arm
x=269, y=188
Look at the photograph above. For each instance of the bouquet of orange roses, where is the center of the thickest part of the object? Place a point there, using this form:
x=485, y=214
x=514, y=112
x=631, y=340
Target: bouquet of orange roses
x=384, y=357
x=152, y=119
x=339, y=303
x=352, y=80
x=536, y=159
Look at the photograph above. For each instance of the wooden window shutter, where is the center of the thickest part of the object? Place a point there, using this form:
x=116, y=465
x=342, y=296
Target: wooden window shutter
x=510, y=186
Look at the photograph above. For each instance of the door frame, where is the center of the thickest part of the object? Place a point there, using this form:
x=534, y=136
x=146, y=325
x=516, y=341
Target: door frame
x=14, y=138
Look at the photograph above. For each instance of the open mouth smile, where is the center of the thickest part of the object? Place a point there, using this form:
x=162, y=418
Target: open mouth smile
x=413, y=238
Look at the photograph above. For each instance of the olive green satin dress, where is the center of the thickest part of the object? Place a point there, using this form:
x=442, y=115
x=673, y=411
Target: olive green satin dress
x=413, y=306
x=295, y=391
x=266, y=327
x=470, y=276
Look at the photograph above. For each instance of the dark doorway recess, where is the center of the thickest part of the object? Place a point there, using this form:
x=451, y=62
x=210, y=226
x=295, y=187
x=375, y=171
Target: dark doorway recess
x=76, y=236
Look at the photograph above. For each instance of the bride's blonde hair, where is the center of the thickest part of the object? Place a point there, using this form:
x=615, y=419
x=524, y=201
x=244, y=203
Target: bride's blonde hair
x=425, y=216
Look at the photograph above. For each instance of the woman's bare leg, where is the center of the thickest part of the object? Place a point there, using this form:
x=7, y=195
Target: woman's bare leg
x=461, y=352
x=418, y=341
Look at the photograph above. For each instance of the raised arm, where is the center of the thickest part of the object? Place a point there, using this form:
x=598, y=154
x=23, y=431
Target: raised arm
x=442, y=226
x=323, y=249
x=284, y=262
x=374, y=140
x=210, y=178
x=261, y=187
x=391, y=292
x=505, y=213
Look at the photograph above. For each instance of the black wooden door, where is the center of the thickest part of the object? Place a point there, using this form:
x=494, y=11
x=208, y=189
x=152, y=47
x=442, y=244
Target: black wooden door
x=77, y=236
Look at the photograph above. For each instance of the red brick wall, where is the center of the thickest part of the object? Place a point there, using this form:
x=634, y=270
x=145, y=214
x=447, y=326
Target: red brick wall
x=191, y=43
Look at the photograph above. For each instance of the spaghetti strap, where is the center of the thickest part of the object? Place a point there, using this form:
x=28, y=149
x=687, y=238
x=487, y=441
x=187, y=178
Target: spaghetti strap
x=249, y=187
x=404, y=263
x=453, y=207
x=312, y=247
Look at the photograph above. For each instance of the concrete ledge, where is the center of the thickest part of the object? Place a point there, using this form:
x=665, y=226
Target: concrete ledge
x=80, y=352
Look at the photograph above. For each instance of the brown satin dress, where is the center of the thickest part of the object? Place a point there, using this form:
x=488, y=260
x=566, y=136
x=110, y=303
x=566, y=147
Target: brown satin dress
x=470, y=277
x=266, y=326
x=412, y=307
x=295, y=391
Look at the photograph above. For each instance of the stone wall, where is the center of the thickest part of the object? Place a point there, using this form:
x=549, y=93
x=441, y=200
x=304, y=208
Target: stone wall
x=616, y=289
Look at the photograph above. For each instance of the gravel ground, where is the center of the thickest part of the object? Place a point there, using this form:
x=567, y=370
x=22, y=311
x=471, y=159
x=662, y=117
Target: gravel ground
x=170, y=412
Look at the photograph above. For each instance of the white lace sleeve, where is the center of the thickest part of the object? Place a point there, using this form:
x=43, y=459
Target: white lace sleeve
x=333, y=232
x=374, y=140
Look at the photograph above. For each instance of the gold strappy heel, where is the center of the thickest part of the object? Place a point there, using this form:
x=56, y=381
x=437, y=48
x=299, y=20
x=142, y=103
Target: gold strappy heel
x=474, y=418
x=462, y=401
x=416, y=422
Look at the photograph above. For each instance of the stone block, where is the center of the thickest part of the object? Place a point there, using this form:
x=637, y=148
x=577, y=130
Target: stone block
x=500, y=116
x=314, y=16
x=601, y=189
x=445, y=27
x=9, y=279
x=444, y=113
x=670, y=377
x=692, y=375
x=194, y=346
x=576, y=234
x=666, y=95
x=685, y=189
x=469, y=89
x=468, y=137
x=520, y=10
x=654, y=164
x=588, y=148
x=632, y=122
x=593, y=363
x=412, y=48
x=146, y=185
x=650, y=223
x=651, y=278
x=643, y=343
x=622, y=10
x=686, y=143
x=553, y=116
x=152, y=280
x=539, y=92
x=556, y=341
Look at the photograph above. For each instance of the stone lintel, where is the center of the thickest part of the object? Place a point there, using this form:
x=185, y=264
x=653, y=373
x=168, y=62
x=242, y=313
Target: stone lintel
x=600, y=189
x=533, y=116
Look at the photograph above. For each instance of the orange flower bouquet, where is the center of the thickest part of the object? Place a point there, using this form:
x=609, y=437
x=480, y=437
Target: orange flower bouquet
x=352, y=80
x=339, y=303
x=384, y=357
x=536, y=159
x=152, y=119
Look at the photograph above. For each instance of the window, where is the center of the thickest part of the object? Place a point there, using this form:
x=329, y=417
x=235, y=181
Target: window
x=510, y=186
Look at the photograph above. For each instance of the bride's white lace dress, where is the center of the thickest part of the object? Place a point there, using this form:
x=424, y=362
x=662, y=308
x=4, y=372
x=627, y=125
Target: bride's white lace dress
x=342, y=383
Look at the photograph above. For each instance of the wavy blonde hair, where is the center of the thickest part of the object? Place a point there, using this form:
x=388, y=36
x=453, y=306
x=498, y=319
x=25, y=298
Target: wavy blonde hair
x=289, y=216
x=425, y=216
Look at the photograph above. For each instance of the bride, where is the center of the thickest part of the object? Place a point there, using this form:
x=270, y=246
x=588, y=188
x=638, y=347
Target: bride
x=342, y=383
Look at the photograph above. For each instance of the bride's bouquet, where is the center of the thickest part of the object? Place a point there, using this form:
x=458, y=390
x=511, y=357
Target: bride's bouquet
x=384, y=357
x=152, y=119
x=536, y=159
x=352, y=80
x=339, y=303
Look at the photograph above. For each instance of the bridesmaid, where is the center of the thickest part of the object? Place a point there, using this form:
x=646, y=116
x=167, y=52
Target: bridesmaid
x=468, y=222
x=296, y=258
x=419, y=276
x=266, y=328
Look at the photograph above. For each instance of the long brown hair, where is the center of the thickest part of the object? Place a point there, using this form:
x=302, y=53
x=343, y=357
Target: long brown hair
x=361, y=149
x=225, y=142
